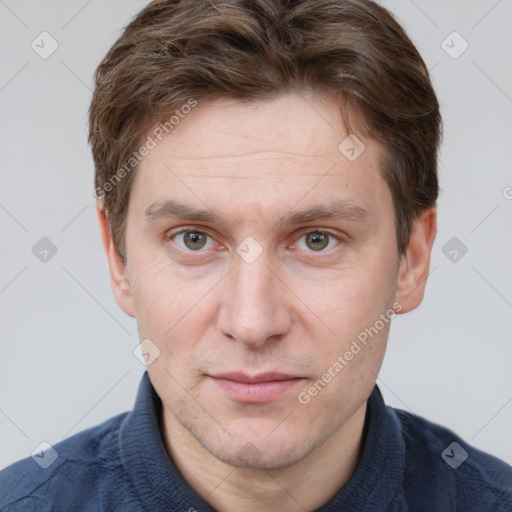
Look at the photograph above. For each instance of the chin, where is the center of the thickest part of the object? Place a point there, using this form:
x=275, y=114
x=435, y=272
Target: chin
x=259, y=452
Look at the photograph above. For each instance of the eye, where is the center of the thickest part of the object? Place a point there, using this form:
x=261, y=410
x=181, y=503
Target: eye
x=190, y=240
x=317, y=241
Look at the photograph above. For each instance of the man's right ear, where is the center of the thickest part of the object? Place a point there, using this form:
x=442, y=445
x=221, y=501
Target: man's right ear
x=119, y=281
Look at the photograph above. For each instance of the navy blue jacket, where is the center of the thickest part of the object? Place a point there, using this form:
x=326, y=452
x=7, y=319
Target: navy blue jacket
x=121, y=465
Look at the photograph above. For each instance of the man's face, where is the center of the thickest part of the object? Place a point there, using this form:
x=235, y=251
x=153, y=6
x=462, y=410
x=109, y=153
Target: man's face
x=248, y=292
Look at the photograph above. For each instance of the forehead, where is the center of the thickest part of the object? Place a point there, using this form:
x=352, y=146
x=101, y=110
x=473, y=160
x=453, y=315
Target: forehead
x=275, y=152
x=291, y=124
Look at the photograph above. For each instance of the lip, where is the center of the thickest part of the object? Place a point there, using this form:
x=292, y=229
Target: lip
x=261, y=388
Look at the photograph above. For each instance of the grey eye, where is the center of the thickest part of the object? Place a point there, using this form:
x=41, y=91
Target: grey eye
x=317, y=241
x=192, y=240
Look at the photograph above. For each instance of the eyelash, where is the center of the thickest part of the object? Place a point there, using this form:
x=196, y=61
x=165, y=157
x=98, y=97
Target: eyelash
x=171, y=236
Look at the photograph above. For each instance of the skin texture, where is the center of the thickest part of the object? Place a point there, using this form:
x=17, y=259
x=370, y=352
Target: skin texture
x=293, y=309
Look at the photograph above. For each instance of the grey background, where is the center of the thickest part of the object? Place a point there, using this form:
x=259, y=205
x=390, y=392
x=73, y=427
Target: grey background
x=67, y=358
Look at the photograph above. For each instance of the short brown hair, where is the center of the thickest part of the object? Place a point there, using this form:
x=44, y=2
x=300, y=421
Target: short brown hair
x=177, y=51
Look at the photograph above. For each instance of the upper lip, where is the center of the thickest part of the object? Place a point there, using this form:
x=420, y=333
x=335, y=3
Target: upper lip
x=253, y=379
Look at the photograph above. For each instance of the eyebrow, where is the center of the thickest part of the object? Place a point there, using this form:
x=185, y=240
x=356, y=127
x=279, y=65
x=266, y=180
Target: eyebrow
x=339, y=210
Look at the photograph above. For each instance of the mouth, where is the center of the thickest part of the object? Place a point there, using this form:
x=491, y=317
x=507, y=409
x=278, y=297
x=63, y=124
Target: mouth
x=261, y=388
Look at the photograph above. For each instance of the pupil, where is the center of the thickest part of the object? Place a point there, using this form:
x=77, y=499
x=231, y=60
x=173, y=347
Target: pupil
x=194, y=240
x=319, y=240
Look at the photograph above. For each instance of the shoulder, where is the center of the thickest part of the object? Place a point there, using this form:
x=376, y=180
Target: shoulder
x=441, y=463
x=78, y=465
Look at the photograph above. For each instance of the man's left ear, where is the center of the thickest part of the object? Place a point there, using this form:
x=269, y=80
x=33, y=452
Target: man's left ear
x=414, y=265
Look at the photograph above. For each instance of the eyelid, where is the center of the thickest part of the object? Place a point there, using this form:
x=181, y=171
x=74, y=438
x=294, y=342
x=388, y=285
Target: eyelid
x=306, y=231
x=168, y=235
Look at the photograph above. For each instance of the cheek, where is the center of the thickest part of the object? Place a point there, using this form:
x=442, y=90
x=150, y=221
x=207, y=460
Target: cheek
x=350, y=303
x=350, y=298
x=171, y=311
x=153, y=294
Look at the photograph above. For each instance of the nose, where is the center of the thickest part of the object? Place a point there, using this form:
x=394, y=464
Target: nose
x=254, y=307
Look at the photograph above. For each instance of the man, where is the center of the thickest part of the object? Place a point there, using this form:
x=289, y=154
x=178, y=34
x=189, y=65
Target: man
x=266, y=180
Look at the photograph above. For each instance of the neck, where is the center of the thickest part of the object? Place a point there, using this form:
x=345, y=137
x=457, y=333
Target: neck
x=306, y=485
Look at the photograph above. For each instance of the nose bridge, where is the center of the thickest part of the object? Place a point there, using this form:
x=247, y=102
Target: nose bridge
x=252, y=282
x=252, y=310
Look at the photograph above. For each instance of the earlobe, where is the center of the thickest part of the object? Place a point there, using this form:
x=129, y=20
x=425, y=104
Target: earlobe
x=414, y=266
x=119, y=281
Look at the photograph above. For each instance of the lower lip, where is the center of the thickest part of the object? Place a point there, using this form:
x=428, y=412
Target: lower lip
x=258, y=392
